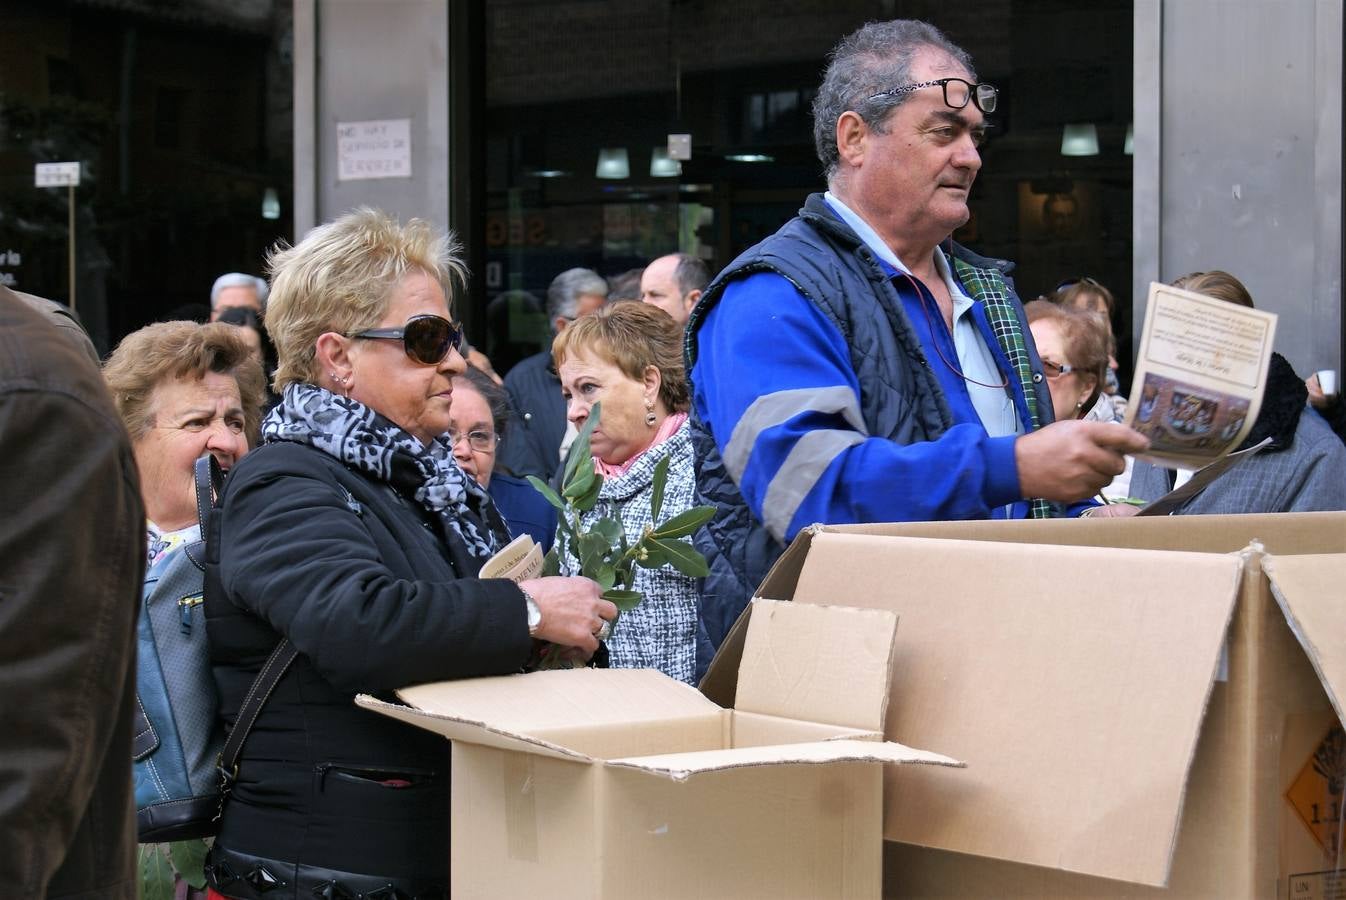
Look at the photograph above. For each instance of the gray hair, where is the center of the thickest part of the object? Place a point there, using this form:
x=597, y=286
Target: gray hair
x=563, y=294
x=239, y=279
x=692, y=273
x=875, y=58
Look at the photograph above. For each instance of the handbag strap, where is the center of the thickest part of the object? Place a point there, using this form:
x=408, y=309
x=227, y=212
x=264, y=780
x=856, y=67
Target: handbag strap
x=272, y=671
x=209, y=479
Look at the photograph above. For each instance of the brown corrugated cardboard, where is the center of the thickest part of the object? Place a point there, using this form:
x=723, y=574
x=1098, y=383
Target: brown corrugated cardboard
x=624, y=783
x=1309, y=591
x=1075, y=680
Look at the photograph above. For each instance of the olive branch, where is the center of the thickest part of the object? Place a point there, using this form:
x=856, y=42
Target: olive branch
x=604, y=552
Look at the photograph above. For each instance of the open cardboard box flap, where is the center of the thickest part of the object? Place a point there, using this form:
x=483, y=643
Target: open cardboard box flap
x=800, y=661
x=1073, y=681
x=1283, y=533
x=680, y=766
x=807, y=663
x=1278, y=533
x=1309, y=592
x=561, y=698
x=457, y=729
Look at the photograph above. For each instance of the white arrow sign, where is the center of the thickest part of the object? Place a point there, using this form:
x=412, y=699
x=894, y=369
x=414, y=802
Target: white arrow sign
x=58, y=174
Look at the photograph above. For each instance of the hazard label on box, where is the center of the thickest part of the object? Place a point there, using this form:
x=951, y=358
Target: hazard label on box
x=1329, y=885
x=1316, y=792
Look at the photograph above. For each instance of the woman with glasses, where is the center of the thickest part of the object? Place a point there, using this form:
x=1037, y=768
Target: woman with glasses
x=352, y=533
x=477, y=422
x=1074, y=351
x=1073, y=343
x=629, y=357
x=1092, y=296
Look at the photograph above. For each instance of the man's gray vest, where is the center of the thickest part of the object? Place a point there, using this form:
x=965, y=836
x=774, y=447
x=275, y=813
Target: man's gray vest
x=900, y=397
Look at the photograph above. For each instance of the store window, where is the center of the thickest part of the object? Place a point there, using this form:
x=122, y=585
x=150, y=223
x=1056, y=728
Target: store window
x=180, y=117
x=582, y=95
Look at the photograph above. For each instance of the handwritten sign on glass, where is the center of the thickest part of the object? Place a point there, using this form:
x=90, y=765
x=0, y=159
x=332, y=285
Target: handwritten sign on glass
x=375, y=149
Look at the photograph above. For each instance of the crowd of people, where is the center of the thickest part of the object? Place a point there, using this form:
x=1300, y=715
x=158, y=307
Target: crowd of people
x=856, y=366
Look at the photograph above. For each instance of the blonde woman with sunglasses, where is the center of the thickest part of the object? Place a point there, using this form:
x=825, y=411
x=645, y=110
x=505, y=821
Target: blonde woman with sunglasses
x=352, y=533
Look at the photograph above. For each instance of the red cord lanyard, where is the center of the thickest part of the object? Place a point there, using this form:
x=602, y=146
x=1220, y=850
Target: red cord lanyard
x=934, y=340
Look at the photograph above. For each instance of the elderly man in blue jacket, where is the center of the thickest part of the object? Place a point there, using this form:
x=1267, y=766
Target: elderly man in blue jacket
x=858, y=366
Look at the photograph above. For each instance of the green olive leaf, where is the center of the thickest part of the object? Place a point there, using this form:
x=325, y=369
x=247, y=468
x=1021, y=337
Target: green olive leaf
x=657, y=486
x=606, y=576
x=579, y=448
x=551, y=563
x=684, y=523
x=545, y=490
x=592, y=548
x=189, y=858
x=580, y=484
x=610, y=528
x=589, y=498
x=623, y=600
x=683, y=557
x=626, y=571
x=650, y=555
x=156, y=873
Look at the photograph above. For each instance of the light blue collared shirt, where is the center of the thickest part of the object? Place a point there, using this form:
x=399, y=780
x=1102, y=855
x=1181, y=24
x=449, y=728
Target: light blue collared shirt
x=992, y=402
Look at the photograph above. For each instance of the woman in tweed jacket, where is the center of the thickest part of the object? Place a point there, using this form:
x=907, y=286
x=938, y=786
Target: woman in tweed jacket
x=629, y=356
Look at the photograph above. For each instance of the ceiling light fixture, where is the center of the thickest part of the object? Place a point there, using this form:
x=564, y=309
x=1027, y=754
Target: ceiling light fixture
x=270, y=204
x=662, y=165
x=1079, y=140
x=613, y=163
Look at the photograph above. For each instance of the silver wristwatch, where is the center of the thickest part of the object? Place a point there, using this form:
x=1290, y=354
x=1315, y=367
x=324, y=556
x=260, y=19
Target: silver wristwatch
x=534, y=613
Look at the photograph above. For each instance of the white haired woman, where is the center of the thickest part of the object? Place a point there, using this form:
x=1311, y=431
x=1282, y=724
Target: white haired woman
x=352, y=533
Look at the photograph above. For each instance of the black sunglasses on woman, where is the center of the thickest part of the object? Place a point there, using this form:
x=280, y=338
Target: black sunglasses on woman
x=426, y=339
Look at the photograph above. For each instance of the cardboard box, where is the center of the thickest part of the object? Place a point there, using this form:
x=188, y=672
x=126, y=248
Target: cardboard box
x=625, y=783
x=1122, y=731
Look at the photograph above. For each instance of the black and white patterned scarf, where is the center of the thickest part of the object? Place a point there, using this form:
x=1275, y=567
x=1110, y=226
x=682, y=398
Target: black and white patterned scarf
x=351, y=432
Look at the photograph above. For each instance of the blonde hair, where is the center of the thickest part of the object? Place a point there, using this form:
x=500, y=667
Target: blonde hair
x=1216, y=283
x=340, y=278
x=632, y=336
x=169, y=351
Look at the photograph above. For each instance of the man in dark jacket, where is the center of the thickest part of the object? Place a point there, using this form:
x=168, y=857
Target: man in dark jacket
x=533, y=445
x=858, y=366
x=72, y=556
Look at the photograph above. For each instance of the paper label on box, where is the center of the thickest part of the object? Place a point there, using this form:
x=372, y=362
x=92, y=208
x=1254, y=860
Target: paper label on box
x=1329, y=885
x=1316, y=792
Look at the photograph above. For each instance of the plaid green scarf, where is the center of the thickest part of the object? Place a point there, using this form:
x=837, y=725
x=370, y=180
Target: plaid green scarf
x=988, y=287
